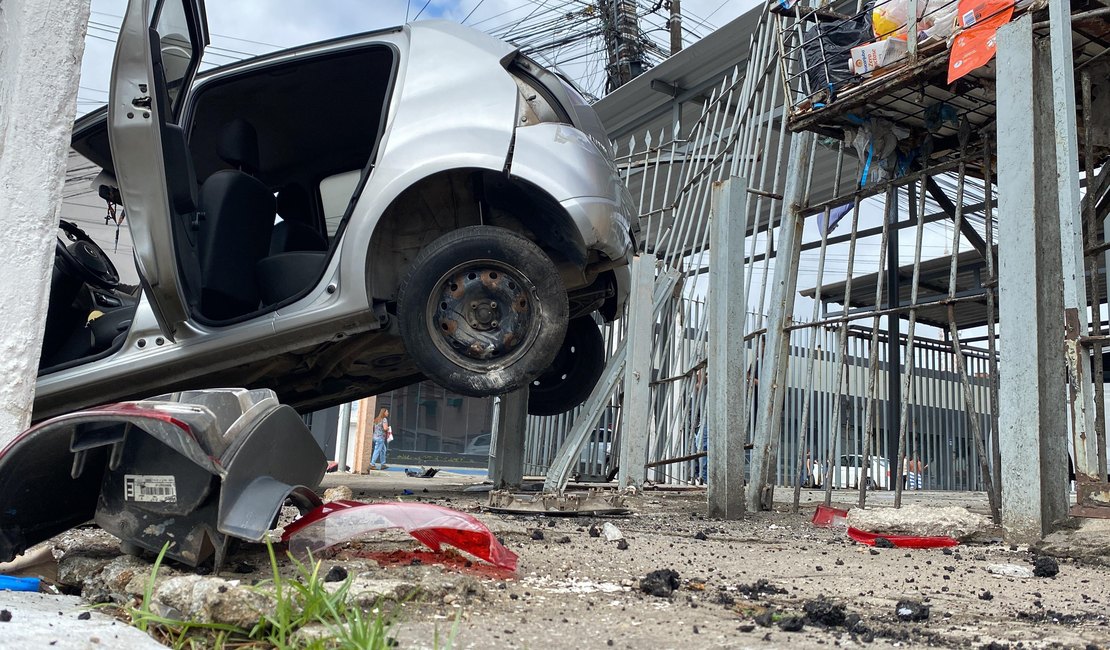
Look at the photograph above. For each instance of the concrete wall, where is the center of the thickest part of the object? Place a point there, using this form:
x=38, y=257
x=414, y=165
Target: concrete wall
x=41, y=44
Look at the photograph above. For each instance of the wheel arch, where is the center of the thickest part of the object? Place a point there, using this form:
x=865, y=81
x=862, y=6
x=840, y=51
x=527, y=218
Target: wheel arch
x=454, y=198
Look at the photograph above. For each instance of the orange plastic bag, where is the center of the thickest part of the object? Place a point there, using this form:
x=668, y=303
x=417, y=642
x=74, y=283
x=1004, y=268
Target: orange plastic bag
x=974, y=47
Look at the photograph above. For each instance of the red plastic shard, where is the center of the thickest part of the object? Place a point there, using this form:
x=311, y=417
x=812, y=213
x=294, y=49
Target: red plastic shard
x=827, y=517
x=341, y=521
x=901, y=541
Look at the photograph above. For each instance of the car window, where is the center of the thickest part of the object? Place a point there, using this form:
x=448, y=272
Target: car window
x=175, y=45
x=335, y=194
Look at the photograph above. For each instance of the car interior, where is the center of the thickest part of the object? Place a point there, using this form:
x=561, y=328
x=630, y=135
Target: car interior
x=260, y=193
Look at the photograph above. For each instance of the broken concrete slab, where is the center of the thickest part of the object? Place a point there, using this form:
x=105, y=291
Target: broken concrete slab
x=921, y=520
x=113, y=581
x=213, y=600
x=49, y=622
x=1089, y=542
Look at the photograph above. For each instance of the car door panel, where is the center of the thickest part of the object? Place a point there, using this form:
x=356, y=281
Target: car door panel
x=150, y=76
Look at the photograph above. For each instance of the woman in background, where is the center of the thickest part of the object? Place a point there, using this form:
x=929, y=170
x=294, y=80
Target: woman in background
x=382, y=435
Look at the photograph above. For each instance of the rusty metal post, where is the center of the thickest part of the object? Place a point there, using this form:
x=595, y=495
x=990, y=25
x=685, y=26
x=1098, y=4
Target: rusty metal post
x=728, y=302
x=760, y=494
x=1080, y=388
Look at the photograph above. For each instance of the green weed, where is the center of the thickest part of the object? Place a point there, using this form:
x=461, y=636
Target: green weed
x=297, y=602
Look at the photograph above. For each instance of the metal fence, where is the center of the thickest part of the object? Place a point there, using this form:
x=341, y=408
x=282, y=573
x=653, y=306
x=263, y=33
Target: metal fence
x=822, y=304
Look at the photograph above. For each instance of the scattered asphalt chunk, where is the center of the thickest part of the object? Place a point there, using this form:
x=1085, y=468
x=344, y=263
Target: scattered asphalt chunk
x=335, y=574
x=594, y=531
x=243, y=567
x=661, y=583
x=565, y=539
x=747, y=627
x=853, y=622
x=825, y=612
x=622, y=545
x=873, y=551
x=882, y=542
x=911, y=610
x=537, y=534
x=700, y=535
x=1045, y=567
x=84, y=616
x=765, y=619
x=792, y=624
x=722, y=597
x=986, y=595
x=5, y=616
x=759, y=588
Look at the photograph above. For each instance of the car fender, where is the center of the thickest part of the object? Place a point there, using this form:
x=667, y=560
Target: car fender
x=577, y=171
x=419, y=142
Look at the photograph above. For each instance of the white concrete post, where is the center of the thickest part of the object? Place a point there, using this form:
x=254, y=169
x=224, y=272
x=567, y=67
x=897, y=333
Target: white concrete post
x=727, y=406
x=1032, y=422
x=637, y=374
x=41, y=44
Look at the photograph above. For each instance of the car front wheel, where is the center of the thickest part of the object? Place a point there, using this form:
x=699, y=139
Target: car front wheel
x=482, y=311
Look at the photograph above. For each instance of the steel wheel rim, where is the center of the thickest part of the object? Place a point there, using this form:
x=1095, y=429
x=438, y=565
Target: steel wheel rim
x=481, y=314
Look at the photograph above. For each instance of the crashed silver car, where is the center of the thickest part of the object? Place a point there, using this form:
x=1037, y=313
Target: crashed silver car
x=339, y=220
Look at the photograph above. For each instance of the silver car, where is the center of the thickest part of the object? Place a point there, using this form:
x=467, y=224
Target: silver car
x=339, y=220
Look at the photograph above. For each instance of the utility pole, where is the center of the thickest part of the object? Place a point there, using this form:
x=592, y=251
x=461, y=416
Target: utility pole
x=622, y=36
x=675, y=25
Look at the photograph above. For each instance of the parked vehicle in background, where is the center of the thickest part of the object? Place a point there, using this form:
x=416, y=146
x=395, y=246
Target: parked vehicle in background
x=479, y=446
x=340, y=220
x=850, y=470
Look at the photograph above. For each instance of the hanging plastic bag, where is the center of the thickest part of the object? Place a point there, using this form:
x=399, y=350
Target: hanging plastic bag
x=936, y=19
x=975, y=46
x=827, y=49
x=891, y=19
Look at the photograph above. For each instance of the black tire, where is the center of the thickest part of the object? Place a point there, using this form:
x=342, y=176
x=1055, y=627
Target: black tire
x=573, y=373
x=482, y=311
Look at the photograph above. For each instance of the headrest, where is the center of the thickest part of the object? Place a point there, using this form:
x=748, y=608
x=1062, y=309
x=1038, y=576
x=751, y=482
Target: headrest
x=239, y=145
x=293, y=204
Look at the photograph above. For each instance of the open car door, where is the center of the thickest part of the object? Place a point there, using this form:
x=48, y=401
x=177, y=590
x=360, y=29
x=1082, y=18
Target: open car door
x=157, y=54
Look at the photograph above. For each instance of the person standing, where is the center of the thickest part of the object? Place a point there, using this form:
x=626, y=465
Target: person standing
x=916, y=475
x=383, y=433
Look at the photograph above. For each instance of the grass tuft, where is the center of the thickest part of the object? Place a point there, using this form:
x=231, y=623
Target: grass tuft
x=301, y=601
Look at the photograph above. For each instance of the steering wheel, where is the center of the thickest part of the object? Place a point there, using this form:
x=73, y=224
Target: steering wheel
x=85, y=258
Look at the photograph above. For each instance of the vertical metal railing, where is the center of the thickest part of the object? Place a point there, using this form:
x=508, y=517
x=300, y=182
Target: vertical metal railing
x=833, y=431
